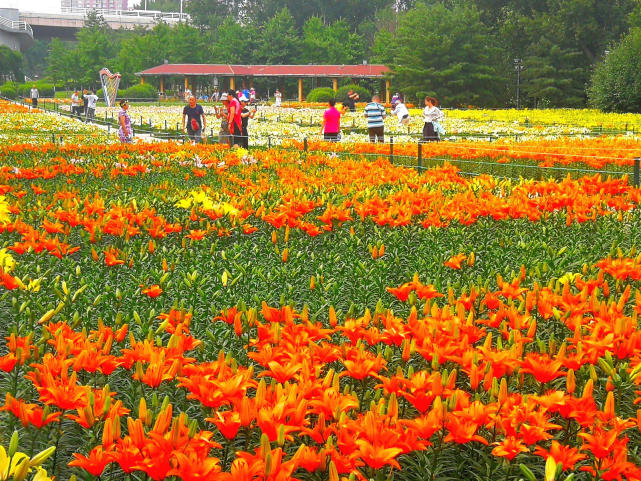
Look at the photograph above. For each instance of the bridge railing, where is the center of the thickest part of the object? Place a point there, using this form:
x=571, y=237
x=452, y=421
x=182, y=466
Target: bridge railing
x=17, y=25
x=155, y=14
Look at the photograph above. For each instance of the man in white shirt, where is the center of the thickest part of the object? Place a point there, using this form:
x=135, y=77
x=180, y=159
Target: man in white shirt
x=75, y=103
x=401, y=112
x=34, y=96
x=91, y=106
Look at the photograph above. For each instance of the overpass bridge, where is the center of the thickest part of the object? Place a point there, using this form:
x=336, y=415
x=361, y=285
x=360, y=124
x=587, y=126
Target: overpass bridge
x=65, y=25
x=14, y=33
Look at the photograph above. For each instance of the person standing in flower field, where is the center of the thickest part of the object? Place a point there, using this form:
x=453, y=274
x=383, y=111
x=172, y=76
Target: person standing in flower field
x=85, y=92
x=234, y=120
x=91, y=106
x=245, y=115
x=75, y=103
x=432, y=116
x=196, y=122
x=352, y=98
x=331, y=122
x=375, y=115
x=125, y=132
x=224, y=137
x=34, y=96
x=278, y=97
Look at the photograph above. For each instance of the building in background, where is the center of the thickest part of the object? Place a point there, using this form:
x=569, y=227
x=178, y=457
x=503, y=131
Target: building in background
x=71, y=5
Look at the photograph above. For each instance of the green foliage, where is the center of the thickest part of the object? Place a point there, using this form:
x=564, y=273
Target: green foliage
x=459, y=51
x=10, y=64
x=279, y=43
x=321, y=94
x=34, y=58
x=120, y=95
x=8, y=90
x=364, y=94
x=330, y=44
x=553, y=76
x=616, y=83
x=162, y=5
x=447, y=52
x=145, y=91
x=45, y=89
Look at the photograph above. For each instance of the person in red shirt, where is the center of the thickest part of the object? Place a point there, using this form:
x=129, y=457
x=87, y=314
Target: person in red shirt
x=234, y=119
x=331, y=122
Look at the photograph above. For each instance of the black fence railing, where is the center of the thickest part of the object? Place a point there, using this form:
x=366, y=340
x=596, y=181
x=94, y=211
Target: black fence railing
x=514, y=169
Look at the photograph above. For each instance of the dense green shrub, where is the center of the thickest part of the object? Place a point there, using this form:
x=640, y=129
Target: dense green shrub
x=321, y=94
x=121, y=94
x=365, y=95
x=45, y=89
x=8, y=91
x=616, y=82
x=145, y=91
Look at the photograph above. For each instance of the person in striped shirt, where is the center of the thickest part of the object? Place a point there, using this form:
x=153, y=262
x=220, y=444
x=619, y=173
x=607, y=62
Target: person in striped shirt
x=375, y=114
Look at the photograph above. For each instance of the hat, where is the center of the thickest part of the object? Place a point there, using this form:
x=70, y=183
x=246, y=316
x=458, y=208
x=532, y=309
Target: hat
x=242, y=98
x=223, y=96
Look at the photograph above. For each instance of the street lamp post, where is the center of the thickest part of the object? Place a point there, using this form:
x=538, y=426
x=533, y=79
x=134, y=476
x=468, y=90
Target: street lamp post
x=518, y=65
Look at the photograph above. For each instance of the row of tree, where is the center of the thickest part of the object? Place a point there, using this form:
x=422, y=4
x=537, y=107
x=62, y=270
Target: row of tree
x=461, y=51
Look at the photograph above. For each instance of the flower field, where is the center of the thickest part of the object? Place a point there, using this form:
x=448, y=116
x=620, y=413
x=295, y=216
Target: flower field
x=470, y=125
x=198, y=313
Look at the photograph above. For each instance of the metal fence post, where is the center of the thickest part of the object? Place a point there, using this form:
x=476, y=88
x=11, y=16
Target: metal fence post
x=269, y=142
x=637, y=160
x=419, y=165
x=53, y=138
x=391, y=150
x=305, y=144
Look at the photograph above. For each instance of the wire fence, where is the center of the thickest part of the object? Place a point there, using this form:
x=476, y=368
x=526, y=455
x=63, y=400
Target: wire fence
x=612, y=166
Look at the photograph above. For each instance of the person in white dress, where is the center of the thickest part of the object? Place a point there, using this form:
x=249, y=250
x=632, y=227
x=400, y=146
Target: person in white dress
x=278, y=97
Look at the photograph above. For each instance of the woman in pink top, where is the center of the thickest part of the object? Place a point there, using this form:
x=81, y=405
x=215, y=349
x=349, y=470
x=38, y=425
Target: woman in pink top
x=331, y=122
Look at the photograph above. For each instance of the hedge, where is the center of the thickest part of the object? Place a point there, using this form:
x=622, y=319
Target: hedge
x=321, y=94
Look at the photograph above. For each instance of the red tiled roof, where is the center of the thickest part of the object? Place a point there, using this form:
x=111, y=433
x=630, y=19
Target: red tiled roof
x=223, y=70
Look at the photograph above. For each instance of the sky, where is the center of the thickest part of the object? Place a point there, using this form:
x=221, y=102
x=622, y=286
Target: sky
x=48, y=6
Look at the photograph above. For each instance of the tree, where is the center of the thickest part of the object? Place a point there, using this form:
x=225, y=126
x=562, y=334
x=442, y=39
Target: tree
x=279, y=43
x=330, y=44
x=161, y=5
x=448, y=53
x=553, y=76
x=11, y=64
x=61, y=64
x=35, y=58
x=97, y=47
x=616, y=83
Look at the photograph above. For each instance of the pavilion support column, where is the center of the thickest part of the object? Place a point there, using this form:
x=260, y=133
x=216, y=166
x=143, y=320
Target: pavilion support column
x=251, y=83
x=162, y=86
x=186, y=83
x=232, y=83
x=387, y=88
x=300, y=89
x=142, y=80
x=335, y=82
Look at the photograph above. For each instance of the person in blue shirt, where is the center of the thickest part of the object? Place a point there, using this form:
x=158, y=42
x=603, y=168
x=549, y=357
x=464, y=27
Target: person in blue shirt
x=375, y=115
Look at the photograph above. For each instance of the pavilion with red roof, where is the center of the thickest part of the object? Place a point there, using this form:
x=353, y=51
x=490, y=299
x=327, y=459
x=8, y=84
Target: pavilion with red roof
x=231, y=72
